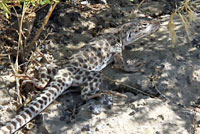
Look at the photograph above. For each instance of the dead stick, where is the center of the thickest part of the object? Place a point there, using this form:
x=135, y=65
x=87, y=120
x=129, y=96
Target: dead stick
x=140, y=91
x=42, y=27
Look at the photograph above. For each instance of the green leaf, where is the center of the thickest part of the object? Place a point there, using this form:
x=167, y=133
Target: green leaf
x=46, y=2
x=5, y=9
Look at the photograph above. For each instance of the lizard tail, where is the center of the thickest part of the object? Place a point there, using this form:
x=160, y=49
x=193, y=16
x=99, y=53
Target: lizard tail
x=35, y=107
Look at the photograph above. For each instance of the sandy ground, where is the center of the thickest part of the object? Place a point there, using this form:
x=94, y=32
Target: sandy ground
x=174, y=71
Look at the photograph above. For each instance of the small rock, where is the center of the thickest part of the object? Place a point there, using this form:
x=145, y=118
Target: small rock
x=1, y=67
x=62, y=118
x=161, y=117
x=196, y=42
x=107, y=100
x=95, y=109
x=85, y=3
x=132, y=113
x=86, y=128
x=157, y=132
x=97, y=128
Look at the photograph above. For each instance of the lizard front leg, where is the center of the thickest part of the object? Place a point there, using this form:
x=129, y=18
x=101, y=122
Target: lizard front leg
x=123, y=65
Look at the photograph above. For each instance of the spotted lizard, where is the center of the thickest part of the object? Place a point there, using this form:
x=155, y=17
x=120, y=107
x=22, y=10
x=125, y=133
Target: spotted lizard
x=83, y=69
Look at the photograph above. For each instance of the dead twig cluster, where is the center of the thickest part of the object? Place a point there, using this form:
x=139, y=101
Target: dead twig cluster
x=25, y=21
x=186, y=12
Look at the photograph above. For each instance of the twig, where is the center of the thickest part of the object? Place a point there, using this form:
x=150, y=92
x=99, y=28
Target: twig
x=31, y=20
x=42, y=55
x=140, y=91
x=19, y=50
x=3, y=55
x=134, y=11
x=42, y=27
x=17, y=80
x=113, y=93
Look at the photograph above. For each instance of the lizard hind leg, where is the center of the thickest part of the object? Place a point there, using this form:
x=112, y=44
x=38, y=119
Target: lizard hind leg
x=92, y=90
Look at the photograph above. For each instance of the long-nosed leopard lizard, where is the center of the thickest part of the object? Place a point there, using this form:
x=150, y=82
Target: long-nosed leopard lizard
x=83, y=68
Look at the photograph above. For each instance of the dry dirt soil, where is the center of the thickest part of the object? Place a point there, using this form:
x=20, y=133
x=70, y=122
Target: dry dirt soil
x=163, y=95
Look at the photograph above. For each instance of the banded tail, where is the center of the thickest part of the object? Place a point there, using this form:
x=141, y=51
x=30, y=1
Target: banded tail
x=51, y=92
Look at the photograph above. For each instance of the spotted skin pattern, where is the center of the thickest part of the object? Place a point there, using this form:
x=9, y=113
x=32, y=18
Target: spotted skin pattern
x=83, y=68
x=45, y=74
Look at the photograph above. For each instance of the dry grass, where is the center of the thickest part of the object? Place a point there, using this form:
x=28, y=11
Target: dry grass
x=27, y=15
x=187, y=15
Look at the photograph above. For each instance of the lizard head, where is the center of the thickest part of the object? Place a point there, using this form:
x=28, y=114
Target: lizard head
x=137, y=29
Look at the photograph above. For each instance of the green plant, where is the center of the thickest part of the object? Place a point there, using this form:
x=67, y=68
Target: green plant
x=6, y=5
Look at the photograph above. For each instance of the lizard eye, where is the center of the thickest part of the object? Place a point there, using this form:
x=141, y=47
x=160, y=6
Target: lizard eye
x=129, y=35
x=144, y=25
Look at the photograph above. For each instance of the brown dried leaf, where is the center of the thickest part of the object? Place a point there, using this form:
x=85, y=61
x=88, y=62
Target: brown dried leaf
x=171, y=28
x=191, y=14
x=185, y=23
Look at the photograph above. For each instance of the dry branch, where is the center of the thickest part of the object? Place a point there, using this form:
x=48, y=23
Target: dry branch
x=29, y=47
